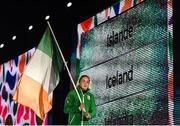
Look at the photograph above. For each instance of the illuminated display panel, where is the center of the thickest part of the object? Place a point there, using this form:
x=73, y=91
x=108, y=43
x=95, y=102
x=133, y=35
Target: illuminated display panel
x=126, y=58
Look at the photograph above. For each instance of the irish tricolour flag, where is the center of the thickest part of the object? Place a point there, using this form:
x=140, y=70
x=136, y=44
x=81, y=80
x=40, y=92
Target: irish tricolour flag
x=41, y=76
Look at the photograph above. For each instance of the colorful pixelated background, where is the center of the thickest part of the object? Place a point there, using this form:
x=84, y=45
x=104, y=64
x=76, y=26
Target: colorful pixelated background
x=149, y=97
x=12, y=113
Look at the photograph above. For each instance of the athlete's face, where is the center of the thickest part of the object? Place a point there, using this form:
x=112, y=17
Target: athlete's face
x=84, y=83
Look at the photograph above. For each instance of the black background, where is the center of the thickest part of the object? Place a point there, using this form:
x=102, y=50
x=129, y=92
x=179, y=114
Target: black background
x=17, y=15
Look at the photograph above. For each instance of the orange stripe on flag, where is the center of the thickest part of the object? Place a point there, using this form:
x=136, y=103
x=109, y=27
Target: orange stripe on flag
x=31, y=93
x=127, y=5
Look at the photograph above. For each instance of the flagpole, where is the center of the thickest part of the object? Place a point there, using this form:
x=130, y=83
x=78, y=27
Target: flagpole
x=64, y=62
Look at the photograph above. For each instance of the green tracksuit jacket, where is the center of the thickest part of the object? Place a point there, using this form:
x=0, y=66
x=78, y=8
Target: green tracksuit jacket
x=72, y=104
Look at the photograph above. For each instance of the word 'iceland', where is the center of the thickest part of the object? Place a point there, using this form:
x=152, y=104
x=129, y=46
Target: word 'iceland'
x=119, y=78
x=117, y=37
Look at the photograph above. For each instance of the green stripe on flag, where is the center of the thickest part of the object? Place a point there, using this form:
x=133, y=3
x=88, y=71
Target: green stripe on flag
x=57, y=62
x=49, y=47
x=45, y=44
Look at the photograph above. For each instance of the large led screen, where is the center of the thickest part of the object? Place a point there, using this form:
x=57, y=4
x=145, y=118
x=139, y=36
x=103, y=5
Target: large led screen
x=127, y=60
